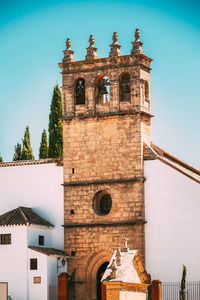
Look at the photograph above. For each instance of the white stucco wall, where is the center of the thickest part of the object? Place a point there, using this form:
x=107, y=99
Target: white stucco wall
x=38, y=187
x=37, y=290
x=33, y=234
x=172, y=203
x=13, y=262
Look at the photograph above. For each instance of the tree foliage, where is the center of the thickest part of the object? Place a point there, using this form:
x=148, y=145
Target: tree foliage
x=1, y=159
x=27, y=153
x=43, y=152
x=55, y=125
x=18, y=152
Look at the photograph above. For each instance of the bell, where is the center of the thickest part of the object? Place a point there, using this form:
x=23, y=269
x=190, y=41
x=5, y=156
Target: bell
x=127, y=89
x=103, y=90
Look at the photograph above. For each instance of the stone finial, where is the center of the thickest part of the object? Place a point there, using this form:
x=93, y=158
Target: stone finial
x=68, y=44
x=113, y=267
x=137, y=44
x=91, y=50
x=137, y=35
x=68, y=53
x=115, y=37
x=115, y=47
x=91, y=40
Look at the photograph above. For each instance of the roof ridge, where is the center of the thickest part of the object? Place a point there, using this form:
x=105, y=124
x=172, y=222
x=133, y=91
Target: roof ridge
x=23, y=215
x=166, y=154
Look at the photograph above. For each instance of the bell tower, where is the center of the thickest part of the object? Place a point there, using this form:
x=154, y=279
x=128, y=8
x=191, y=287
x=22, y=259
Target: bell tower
x=106, y=119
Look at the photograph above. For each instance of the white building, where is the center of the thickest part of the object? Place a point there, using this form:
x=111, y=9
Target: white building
x=28, y=262
x=35, y=184
x=172, y=209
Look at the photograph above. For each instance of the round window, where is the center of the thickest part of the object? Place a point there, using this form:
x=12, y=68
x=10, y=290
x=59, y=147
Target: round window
x=102, y=203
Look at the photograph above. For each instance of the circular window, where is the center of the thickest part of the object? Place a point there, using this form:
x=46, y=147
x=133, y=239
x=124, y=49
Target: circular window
x=102, y=203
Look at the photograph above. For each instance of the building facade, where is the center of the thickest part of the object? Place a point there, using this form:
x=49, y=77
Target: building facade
x=106, y=118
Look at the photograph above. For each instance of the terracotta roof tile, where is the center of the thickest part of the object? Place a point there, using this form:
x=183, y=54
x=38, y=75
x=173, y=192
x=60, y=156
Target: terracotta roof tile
x=22, y=216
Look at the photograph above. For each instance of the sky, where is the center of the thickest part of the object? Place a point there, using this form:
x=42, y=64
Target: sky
x=33, y=36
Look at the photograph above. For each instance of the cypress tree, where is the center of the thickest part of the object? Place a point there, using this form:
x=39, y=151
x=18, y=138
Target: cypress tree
x=1, y=159
x=43, y=152
x=27, y=153
x=55, y=125
x=18, y=152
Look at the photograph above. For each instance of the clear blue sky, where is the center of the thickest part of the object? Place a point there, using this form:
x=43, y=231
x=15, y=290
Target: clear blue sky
x=33, y=35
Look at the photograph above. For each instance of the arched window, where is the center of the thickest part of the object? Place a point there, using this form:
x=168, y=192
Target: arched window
x=125, y=87
x=146, y=90
x=102, y=90
x=80, y=91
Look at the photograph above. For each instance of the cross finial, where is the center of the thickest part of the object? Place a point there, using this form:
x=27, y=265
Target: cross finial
x=126, y=242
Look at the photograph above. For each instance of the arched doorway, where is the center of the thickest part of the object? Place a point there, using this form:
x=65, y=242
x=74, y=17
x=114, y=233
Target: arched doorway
x=99, y=276
x=93, y=264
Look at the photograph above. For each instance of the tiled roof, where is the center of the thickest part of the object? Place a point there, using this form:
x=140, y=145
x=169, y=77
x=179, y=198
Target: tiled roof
x=31, y=162
x=49, y=251
x=154, y=152
x=22, y=216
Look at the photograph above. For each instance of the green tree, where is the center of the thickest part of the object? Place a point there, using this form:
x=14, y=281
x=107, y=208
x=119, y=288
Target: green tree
x=27, y=153
x=1, y=159
x=18, y=152
x=43, y=152
x=55, y=125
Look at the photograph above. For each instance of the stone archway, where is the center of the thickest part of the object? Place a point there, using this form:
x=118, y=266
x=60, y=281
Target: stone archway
x=94, y=263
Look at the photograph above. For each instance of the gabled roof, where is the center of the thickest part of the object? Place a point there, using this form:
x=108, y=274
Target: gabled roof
x=154, y=152
x=22, y=216
x=49, y=251
x=127, y=267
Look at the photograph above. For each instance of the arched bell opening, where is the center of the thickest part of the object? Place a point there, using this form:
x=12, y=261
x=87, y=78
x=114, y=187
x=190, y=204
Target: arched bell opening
x=80, y=91
x=102, y=90
x=99, y=276
x=125, y=87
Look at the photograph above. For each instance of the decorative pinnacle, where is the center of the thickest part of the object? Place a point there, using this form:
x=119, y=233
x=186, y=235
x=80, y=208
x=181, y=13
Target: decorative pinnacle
x=137, y=35
x=115, y=38
x=68, y=43
x=91, y=40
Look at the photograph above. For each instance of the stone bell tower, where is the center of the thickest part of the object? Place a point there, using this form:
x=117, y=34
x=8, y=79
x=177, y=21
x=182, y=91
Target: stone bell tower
x=106, y=118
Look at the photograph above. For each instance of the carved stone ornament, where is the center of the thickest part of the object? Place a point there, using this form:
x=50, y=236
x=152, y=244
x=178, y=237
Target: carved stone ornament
x=91, y=40
x=137, y=45
x=91, y=50
x=115, y=47
x=68, y=43
x=137, y=35
x=68, y=53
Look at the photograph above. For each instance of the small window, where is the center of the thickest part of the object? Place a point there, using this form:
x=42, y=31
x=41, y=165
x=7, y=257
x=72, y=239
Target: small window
x=33, y=264
x=5, y=239
x=41, y=240
x=80, y=91
x=73, y=253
